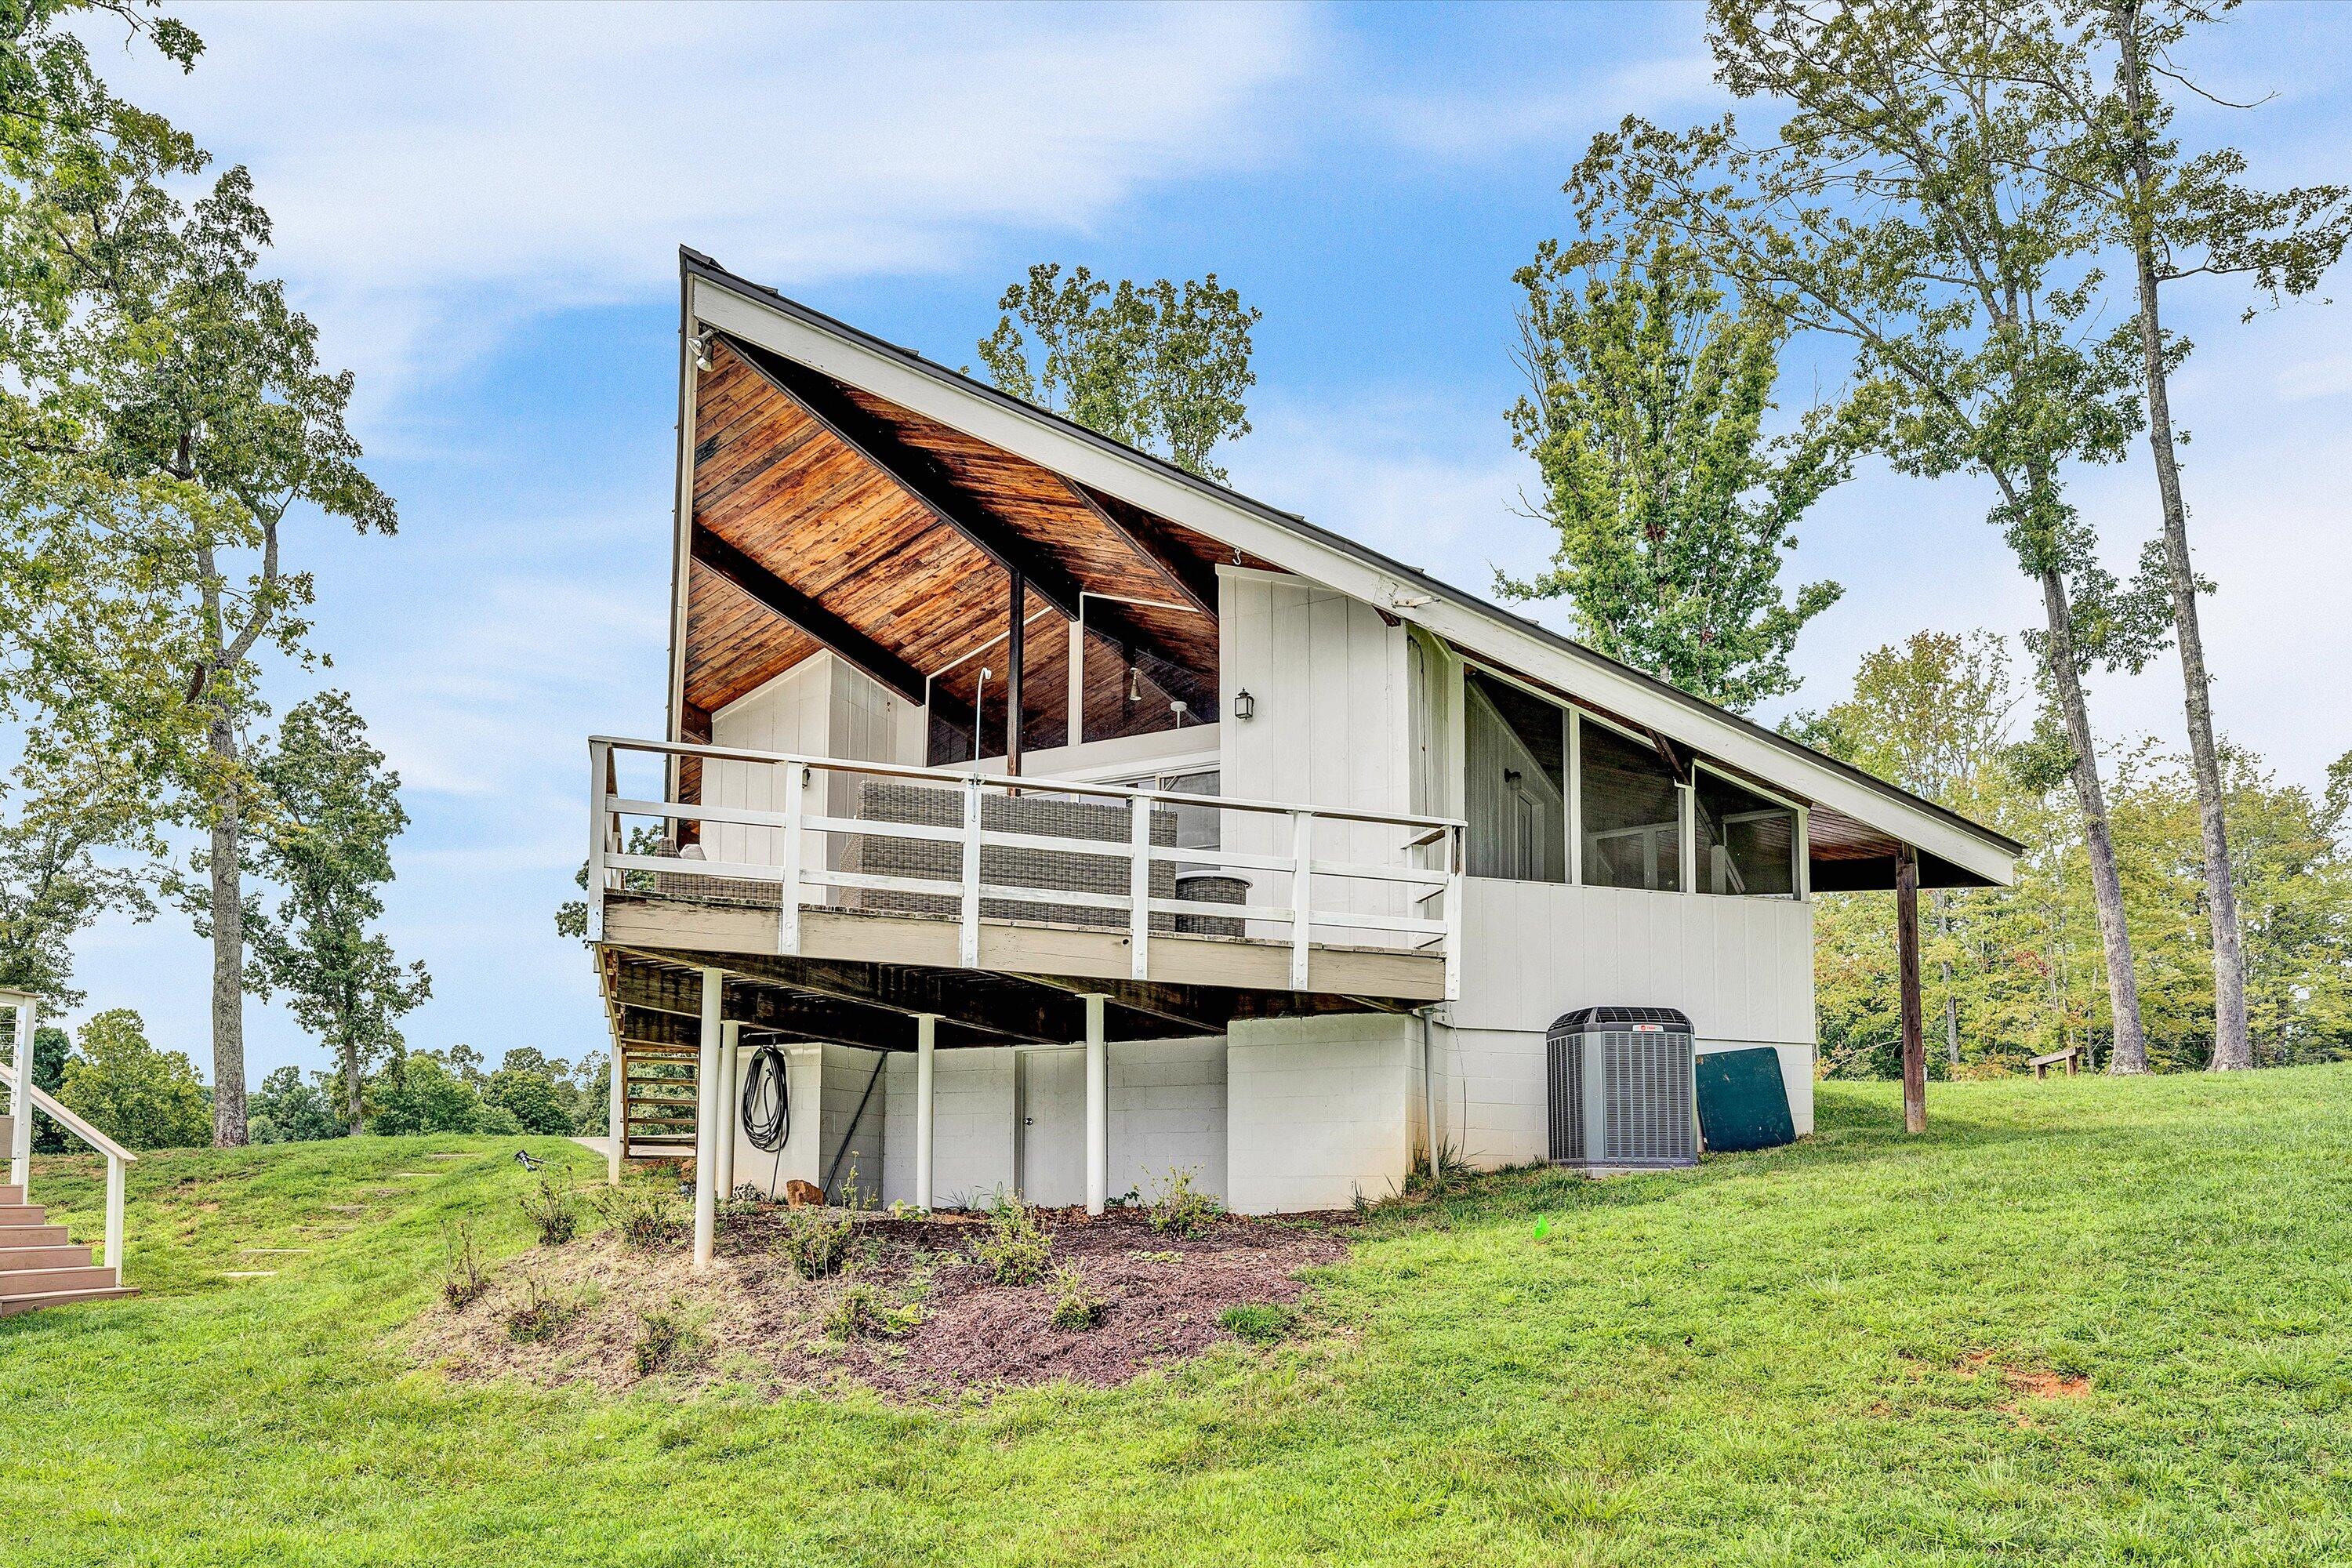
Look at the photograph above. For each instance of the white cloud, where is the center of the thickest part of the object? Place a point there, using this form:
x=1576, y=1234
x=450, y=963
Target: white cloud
x=435, y=171
x=1458, y=125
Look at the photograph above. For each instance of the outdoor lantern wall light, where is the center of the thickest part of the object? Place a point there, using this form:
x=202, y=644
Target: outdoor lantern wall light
x=1244, y=705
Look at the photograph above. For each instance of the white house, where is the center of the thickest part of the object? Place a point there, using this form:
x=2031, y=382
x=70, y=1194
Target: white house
x=1050, y=818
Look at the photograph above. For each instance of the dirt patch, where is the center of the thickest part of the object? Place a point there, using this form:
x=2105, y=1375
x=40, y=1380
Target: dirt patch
x=2024, y=1383
x=751, y=1320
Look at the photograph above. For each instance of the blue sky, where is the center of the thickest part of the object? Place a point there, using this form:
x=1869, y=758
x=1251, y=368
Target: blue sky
x=481, y=208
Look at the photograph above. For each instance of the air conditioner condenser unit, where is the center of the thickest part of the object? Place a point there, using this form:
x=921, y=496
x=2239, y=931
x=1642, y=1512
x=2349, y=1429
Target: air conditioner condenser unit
x=1619, y=1089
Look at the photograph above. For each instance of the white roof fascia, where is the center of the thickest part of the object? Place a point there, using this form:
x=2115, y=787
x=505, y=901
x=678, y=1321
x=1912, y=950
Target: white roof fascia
x=985, y=418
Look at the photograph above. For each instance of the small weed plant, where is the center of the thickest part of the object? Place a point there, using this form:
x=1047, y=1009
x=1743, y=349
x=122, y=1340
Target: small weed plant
x=1179, y=1208
x=467, y=1276
x=665, y=1339
x=553, y=1210
x=643, y=1216
x=1260, y=1323
x=863, y=1311
x=1077, y=1305
x=813, y=1242
x=1014, y=1246
x=542, y=1315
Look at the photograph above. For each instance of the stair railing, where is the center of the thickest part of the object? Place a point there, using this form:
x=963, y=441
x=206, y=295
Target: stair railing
x=22, y=1097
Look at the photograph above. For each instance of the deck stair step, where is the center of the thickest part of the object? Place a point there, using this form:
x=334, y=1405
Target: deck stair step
x=11, y=1192
x=39, y=1267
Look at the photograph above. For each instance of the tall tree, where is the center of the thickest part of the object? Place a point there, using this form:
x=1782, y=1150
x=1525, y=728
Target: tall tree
x=170, y=417
x=1895, y=212
x=1645, y=416
x=1162, y=366
x=2179, y=215
x=332, y=810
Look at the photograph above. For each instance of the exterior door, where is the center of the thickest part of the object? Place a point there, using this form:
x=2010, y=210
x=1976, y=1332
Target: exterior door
x=1050, y=1098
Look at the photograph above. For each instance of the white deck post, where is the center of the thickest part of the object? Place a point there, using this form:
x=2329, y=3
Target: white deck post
x=114, y=1171
x=730, y=1069
x=1098, y=1108
x=705, y=1122
x=616, y=1116
x=1302, y=874
x=1139, y=887
x=20, y=1103
x=968, y=920
x=927, y=1030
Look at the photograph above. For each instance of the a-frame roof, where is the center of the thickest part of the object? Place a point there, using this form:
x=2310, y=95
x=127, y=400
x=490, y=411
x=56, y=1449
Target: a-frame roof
x=1955, y=850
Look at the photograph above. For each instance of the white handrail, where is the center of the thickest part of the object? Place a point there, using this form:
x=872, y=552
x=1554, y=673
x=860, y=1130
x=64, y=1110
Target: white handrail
x=799, y=875
x=22, y=1096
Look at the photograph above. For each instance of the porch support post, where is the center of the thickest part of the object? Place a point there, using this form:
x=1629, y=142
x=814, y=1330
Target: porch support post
x=927, y=1030
x=705, y=1122
x=1016, y=654
x=1907, y=948
x=1098, y=1108
x=731, y=1069
x=20, y=1103
x=616, y=1115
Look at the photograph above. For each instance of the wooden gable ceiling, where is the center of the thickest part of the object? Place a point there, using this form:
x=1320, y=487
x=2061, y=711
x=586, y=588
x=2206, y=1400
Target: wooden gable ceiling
x=779, y=478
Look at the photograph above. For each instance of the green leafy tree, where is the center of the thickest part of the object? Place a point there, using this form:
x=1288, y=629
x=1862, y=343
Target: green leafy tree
x=1897, y=212
x=135, y=1094
x=1645, y=416
x=419, y=1094
x=170, y=416
x=2180, y=215
x=537, y=1103
x=1162, y=366
x=284, y=1109
x=332, y=810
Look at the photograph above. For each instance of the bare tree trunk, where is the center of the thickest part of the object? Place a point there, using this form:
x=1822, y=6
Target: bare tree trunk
x=354, y=1108
x=2130, y=1052
x=2232, y=1048
x=227, y=912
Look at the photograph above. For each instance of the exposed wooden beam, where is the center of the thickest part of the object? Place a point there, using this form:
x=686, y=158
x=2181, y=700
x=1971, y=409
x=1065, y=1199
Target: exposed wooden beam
x=922, y=477
x=1149, y=538
x=653, y=988
x=1013, y=1012
x=780, y=599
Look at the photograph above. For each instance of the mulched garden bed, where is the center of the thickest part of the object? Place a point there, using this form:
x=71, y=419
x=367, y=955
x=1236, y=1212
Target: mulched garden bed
x=753, y=1321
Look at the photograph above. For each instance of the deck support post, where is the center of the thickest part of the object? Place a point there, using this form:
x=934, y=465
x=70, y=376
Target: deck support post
x=1098, y=1108
x=20, y=1104
x=926, y=1031
x=730, y=1069
x=1907, y=947
x=706, y=1121
x=616, y=1115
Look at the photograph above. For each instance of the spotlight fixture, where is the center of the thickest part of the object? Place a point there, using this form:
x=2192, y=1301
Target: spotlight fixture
x=702, y=348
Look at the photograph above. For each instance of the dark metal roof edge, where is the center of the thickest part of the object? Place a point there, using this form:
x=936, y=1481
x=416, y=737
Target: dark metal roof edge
x=695, y=262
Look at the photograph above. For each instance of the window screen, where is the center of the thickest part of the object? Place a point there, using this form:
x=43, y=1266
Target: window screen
x=1514, y=747
x=1632, y=813
x=1746, y=844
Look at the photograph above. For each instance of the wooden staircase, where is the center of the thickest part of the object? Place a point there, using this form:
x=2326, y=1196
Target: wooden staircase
x=659, y=1091
x=39, y=1267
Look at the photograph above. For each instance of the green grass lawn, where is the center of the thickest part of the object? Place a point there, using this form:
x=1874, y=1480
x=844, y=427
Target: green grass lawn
x=1754, y=1363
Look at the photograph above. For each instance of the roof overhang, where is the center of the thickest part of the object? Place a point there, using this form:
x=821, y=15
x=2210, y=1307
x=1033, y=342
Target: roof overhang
x=733, y=305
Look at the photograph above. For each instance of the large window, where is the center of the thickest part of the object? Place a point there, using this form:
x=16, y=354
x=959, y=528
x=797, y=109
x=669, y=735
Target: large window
x=1632, y=813
x=1515, y=750
x=1746, y=843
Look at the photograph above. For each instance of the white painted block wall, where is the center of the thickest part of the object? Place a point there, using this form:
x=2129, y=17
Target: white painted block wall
x=854, y=1124
x=770, y=1169
x=972, y=1126
x=1168, y=1113
x=1318, y=1110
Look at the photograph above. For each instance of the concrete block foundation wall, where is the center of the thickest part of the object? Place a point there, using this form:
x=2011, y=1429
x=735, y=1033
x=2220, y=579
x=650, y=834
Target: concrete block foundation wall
x=1318, y=1110
x=972, y=1126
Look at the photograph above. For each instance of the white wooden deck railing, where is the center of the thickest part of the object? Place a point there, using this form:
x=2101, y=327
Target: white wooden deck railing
x=118, y=1158
x=1423, y=866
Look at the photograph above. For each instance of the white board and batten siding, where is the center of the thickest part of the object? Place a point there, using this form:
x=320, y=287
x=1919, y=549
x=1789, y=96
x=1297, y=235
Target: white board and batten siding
x=1328, y=680
x=1741, y=969
x=822, y=707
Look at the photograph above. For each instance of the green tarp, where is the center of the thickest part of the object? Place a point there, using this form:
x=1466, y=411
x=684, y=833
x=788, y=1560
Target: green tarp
x=1742, y=1101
